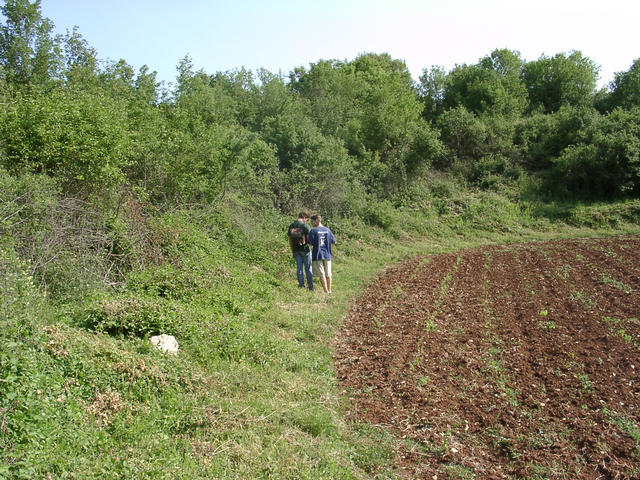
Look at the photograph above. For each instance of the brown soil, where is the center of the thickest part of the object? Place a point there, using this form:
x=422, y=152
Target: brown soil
x=515, y=361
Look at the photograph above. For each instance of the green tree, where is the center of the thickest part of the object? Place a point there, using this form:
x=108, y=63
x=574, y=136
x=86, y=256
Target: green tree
x=625, y=87
x=564, y=79
x=543, y=137
x=80, y=61
x=332, y=91
x=463, y=133
x=206, y=101
x=28, y=52
x=431, y=89
x=80, y=138
x=388, y=102
x=490, y=87
x=605, y=163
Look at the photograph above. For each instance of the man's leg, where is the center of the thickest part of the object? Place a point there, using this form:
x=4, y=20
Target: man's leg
x=318, y=272
x=299, y=265
x=327, y=273
x=328, y=284
x=307, y=266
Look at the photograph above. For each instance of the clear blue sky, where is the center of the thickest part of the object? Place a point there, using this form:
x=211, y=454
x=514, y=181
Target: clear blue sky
x=278, y=35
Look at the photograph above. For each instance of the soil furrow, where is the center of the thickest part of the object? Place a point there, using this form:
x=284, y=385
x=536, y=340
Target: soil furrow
x=503, y=362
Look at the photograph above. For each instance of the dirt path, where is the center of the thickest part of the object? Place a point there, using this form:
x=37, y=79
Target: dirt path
x=518, y=361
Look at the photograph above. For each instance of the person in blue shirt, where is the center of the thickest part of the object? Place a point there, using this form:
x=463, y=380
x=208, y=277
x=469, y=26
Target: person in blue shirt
x=321, y=239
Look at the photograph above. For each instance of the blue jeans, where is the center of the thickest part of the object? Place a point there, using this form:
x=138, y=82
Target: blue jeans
x=303, y=259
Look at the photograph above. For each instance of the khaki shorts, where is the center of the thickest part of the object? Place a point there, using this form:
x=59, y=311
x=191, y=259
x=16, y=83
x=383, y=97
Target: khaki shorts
x=321, y=268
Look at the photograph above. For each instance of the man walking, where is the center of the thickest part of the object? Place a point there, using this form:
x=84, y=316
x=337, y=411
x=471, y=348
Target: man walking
x=321, y=239
x=298, y=233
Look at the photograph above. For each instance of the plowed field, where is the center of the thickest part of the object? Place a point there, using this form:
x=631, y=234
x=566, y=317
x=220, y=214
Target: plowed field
x=515, y=361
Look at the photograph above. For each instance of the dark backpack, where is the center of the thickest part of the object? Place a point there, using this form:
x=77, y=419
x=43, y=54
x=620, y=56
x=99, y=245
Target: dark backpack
x=297, y=237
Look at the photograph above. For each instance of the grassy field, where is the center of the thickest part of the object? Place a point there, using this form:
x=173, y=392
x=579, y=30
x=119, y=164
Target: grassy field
x=252, y=392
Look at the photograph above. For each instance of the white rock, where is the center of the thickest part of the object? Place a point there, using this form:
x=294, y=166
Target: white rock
x=165, y=342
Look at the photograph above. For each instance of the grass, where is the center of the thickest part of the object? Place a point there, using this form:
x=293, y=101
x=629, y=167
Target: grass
x=252, y=393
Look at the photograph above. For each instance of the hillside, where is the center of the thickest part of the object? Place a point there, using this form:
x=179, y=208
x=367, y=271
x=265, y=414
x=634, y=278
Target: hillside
x=130, y=208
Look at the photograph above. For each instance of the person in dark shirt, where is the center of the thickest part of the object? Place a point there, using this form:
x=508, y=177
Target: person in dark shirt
x=321, y=239
x=298, y=233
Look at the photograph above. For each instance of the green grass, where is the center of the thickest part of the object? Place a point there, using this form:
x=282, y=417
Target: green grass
x=252, y=392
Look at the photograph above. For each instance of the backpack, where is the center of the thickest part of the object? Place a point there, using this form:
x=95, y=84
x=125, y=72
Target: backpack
x=297, y=237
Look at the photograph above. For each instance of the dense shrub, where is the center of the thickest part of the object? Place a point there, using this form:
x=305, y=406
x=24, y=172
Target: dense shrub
x=79, y=137
x=605, y=163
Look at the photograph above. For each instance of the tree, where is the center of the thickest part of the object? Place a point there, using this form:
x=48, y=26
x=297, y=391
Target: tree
x=431, y=89
x=81, y=138
x=490, y=87
x=463, y=132
x=332, y=91
x=388, y=102
x=28, y=52
x=605, y=163
x=553, y=82
x=80, y=60
x=625, y=87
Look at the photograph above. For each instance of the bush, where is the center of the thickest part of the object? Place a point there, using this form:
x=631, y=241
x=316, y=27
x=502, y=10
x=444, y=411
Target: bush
x=21, y=303
x=81, y=138
x=605, y=164
x=380, y=214
x=136, y=317
x=464, y=133
x=494, y=170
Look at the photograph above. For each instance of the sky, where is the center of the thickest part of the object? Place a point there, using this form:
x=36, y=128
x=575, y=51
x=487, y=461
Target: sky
x=279, y=35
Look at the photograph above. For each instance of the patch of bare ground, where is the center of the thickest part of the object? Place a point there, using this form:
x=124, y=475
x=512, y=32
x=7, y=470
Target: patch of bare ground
x=515, y=361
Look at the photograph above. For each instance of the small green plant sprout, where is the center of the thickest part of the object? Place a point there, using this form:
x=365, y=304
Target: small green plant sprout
x=544, y=312
x=585, y=382
x=550, y=325
x=564, y=271
x=578, y=296
x=607, y=280
x=431, y=325
x=396, y=292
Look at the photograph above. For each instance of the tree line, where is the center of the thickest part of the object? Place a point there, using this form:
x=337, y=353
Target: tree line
x=329, y=136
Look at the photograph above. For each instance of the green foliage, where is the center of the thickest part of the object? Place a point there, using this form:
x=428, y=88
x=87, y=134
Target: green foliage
x=79, y=137
x=371, y=106
x=492, y=86
x=27, y=50
x=128, y=316
x=492, y=171
x=543, y=137
x=561, y=80
x=20, y=301
x=380, y=214
x=463, y=132
x=625, y=88
x=606, y=163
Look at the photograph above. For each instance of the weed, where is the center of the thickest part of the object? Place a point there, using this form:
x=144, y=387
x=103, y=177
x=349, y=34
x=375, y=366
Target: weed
x=627, y=425
x=585, y=382
x=578, y=296
x=607, y=280
x=550, y=325
x=565, y=271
